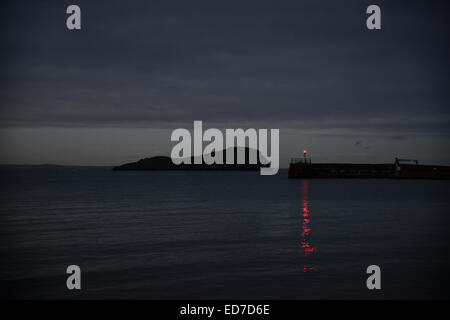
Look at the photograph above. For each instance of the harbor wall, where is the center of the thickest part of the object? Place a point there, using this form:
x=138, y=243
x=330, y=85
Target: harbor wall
x=349, y=170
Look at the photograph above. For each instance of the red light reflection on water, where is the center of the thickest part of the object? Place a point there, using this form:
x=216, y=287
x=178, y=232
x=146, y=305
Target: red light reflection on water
x=305, y=244
x=307, y=268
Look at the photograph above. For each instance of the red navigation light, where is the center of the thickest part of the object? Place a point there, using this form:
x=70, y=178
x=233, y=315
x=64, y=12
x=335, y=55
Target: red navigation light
x=305, y=152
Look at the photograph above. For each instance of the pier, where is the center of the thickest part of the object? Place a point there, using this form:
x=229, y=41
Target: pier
x=304, y=168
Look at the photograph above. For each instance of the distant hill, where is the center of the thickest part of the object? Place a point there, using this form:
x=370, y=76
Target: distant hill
x=165, y=163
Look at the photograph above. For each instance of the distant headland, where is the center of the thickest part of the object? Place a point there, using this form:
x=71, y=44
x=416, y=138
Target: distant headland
x=163, y=163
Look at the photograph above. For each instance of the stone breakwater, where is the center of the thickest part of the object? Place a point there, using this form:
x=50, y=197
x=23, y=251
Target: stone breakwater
x=353, y=170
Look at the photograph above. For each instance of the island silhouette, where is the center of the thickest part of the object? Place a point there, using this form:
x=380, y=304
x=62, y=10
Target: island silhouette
x=165, y=163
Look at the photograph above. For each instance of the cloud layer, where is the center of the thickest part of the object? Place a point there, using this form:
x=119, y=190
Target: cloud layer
x=297, y=64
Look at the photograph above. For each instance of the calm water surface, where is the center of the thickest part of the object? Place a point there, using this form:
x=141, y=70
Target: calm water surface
x=213, y=235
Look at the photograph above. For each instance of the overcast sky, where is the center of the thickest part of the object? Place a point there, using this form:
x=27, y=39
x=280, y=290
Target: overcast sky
x=113, y=91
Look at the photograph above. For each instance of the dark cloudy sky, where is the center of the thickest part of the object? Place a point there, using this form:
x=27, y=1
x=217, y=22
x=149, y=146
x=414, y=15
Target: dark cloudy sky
x=114, y=91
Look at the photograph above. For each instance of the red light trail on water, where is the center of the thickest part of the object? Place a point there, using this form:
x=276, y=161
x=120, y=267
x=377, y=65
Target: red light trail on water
x=305, y=244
